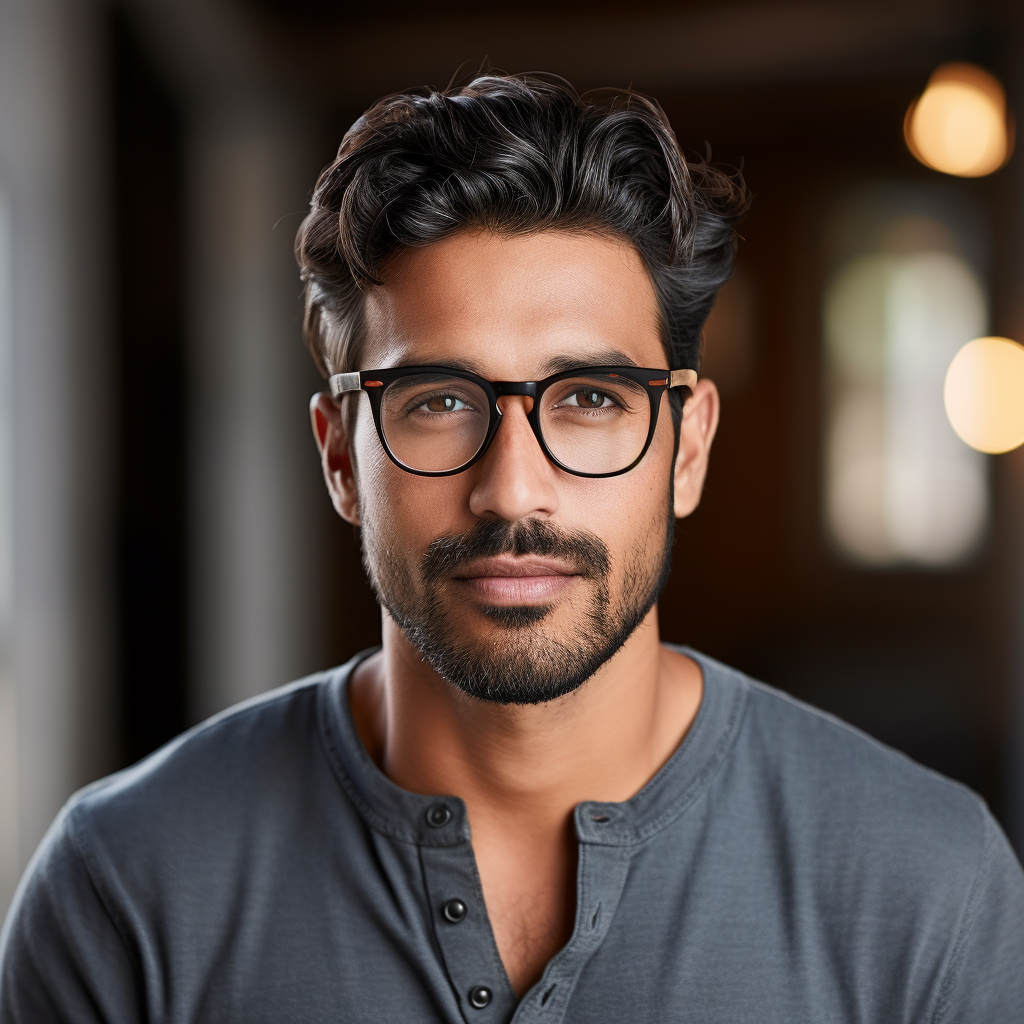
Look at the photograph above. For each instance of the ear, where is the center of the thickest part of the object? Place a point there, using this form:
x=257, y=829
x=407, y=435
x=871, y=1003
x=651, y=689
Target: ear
x=332, y=442
x=697, y=431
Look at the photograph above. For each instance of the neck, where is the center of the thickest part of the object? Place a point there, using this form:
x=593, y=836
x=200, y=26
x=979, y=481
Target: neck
x=602, y=742
x=522, y=769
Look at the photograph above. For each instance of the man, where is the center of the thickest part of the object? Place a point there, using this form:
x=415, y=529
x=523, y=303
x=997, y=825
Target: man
x=523, y=806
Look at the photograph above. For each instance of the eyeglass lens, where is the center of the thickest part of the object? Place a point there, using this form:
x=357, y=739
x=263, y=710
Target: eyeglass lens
x=591, y=424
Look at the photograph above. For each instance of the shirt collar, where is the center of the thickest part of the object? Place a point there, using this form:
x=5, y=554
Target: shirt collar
x=441, y=820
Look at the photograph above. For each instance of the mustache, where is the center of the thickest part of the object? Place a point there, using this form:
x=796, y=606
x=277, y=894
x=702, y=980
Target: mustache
x=585, y=552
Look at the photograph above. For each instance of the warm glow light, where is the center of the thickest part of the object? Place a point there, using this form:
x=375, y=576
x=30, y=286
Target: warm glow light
x=959, y=124
x=984, y=394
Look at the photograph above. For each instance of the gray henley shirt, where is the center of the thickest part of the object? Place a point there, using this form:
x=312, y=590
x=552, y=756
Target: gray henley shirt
x=781, y=867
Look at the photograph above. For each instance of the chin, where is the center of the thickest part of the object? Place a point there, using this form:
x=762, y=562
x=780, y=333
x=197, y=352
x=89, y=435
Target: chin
x=517, y=617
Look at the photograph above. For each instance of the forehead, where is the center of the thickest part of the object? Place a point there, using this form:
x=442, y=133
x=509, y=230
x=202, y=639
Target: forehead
x=513, y=306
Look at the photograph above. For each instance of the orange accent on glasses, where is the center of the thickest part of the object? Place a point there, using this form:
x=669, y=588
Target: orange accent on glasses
x=373, y=383
x=655, y=383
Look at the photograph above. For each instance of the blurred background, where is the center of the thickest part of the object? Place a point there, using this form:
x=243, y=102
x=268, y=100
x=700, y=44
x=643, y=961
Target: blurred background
x=166, y=544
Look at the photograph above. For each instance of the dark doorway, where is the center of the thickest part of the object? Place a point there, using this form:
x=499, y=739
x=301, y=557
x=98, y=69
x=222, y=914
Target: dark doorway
x=151, y=395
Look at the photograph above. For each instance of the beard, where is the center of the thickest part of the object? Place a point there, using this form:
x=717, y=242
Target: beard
x=524, y=663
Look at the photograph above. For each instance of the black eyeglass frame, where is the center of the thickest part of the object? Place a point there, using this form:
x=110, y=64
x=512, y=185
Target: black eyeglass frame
x=375, y=382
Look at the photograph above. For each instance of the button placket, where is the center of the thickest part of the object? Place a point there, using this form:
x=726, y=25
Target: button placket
x=464, y=935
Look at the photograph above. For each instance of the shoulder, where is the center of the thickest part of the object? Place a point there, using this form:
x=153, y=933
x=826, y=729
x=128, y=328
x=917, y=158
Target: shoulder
x=208, y=794
x=853, y=808
x=838, y=771
x=906, y=873
x=224, y=751
x=166, y=836
x=831, y=768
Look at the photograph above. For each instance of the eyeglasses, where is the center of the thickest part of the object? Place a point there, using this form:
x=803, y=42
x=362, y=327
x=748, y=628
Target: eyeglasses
x=595, y=421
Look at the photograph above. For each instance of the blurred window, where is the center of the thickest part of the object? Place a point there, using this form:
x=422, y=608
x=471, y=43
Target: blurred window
x=907, y=291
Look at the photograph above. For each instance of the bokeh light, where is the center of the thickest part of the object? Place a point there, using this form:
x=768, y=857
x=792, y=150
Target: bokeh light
x=959, y=125
x=984, y=394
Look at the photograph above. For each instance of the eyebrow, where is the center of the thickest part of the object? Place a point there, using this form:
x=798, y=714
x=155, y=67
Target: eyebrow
x=603, y=357
x=448, y=364
x=557, y=364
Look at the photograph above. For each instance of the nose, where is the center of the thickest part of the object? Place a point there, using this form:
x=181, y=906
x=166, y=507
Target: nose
x=514, y=480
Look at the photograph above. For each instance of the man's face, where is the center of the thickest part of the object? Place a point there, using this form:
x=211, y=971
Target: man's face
x=515, y=579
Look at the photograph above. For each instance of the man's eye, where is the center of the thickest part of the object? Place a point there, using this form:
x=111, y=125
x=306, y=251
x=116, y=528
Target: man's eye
x=587, y=399
x=444, y=403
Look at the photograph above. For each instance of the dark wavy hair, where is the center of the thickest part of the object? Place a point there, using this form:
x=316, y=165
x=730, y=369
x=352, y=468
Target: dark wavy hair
x=515, y=153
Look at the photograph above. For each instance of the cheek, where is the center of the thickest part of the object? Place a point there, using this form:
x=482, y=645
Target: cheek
x=647, y=487
x=627, y=512
x=401, y=510
x=371, y=464
x=647, y=507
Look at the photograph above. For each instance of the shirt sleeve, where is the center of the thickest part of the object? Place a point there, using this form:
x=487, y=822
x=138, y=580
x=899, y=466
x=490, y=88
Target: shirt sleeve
x=985, y=977
x=62, y=957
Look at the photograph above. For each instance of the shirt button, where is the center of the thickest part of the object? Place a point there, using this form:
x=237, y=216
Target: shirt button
x=479, y=996
x=439, y=816
x=454, y=911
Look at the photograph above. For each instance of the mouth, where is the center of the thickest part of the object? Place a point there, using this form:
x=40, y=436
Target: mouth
x=508, y=581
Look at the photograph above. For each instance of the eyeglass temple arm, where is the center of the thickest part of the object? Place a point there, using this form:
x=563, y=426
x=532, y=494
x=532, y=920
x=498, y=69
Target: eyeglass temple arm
x=682, y=378
x=343, y=382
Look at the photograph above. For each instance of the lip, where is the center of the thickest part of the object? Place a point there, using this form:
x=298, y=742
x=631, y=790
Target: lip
x=507, y=580
x=511, y=567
